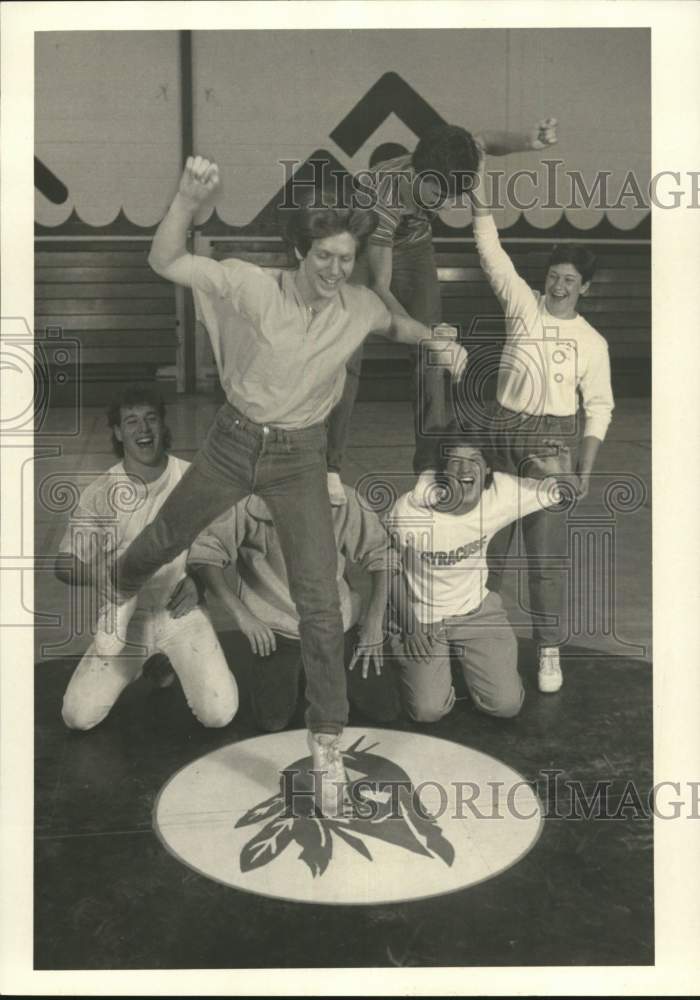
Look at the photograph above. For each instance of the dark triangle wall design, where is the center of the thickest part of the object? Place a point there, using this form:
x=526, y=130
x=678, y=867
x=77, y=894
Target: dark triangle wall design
x=389, y=95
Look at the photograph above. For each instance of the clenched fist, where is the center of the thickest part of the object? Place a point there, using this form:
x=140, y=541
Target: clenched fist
x=199, y=180
x=544, y=133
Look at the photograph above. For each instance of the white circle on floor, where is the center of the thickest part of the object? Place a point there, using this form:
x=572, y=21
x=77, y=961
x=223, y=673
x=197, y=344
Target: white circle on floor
x=429, y=817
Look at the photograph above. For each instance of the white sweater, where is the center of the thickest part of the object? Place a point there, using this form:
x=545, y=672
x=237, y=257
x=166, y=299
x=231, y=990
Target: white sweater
x=546, y=361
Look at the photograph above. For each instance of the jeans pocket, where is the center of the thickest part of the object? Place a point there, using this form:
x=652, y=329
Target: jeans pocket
x=224, y=421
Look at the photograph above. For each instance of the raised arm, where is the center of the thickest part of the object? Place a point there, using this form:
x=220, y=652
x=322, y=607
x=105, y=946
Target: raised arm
x=169, y=257
x=517, y=299
x=542, y=135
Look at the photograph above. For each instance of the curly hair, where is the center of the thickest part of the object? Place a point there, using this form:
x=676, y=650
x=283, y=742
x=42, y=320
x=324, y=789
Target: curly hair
x=136, y=395
x=321, y=215
x=447, y=153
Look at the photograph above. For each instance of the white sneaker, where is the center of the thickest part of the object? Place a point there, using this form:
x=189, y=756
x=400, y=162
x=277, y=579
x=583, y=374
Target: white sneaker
x=330, y=784
x=336, y=490
x=549, y=675
x=112, y=623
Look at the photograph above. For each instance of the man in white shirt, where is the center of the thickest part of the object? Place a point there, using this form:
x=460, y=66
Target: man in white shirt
x=440, y=600
x=111, y=512
x=261, y=606
x=552, y=360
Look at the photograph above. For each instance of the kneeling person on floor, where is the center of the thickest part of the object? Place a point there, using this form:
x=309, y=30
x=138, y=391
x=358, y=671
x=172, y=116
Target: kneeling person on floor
x=261, y=606
x=440, y=602
x=111, y=512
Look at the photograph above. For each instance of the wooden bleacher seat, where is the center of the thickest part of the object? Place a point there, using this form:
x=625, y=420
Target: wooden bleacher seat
x=103, y=294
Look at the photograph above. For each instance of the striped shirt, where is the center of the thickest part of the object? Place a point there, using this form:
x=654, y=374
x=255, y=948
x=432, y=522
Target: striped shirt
x=401, y=221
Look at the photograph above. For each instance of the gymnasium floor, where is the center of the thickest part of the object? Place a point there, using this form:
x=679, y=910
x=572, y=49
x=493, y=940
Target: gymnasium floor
x=108, y=894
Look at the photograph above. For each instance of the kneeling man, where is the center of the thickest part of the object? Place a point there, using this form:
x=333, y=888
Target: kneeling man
x=111, y=512
x=441, y=605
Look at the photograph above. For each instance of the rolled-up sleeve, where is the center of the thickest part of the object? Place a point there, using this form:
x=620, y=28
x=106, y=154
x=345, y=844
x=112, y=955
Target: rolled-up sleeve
x=217, y=545
x=248, y=289
x=364, y=539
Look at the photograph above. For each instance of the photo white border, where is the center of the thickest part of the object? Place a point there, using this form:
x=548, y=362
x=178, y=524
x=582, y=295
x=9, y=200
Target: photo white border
x=676, y=423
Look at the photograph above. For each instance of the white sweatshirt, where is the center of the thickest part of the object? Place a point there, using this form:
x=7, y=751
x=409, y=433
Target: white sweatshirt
x=113, y=509
x=546, y=361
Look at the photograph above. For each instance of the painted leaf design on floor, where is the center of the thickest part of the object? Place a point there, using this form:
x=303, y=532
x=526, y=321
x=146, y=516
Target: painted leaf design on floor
x=264, y=810
x=404, y=827
x=355, y=842
x=432, y=836
x=267, y=844
x=316, y=842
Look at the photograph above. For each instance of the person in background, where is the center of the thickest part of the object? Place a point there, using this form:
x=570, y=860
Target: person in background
x=111, y=512
x=441, y=604
x=261, y=605
x=407, y=191
x=553, y=362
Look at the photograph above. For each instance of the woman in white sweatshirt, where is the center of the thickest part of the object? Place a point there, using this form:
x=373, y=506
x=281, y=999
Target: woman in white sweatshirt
x=553, y=362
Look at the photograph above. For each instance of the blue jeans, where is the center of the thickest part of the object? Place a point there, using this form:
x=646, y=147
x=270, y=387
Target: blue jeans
x=275, y=682
x=414, y=282
x=514, y=437
x=288, y=469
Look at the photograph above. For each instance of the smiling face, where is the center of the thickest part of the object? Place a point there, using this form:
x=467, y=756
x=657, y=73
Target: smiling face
x=328, y=265
x=142, y=433
x=562, y=288
x=466, y=470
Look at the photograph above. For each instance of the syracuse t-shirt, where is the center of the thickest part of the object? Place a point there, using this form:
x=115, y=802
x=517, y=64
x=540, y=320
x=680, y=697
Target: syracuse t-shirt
x=443, y=555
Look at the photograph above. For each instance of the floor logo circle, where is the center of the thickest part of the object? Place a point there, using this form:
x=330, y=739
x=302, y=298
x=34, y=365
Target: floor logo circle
x=425, y=817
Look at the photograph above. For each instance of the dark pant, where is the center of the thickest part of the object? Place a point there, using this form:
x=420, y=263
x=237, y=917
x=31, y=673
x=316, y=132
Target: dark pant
x=288, y=469
x=414, y=282
x=275, y=683
x=514, y=438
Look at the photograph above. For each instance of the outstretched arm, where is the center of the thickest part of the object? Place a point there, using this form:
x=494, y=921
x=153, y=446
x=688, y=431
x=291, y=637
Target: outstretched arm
x=540, y=136
x=169, y=257
x=68, y=568
x=405, y=330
